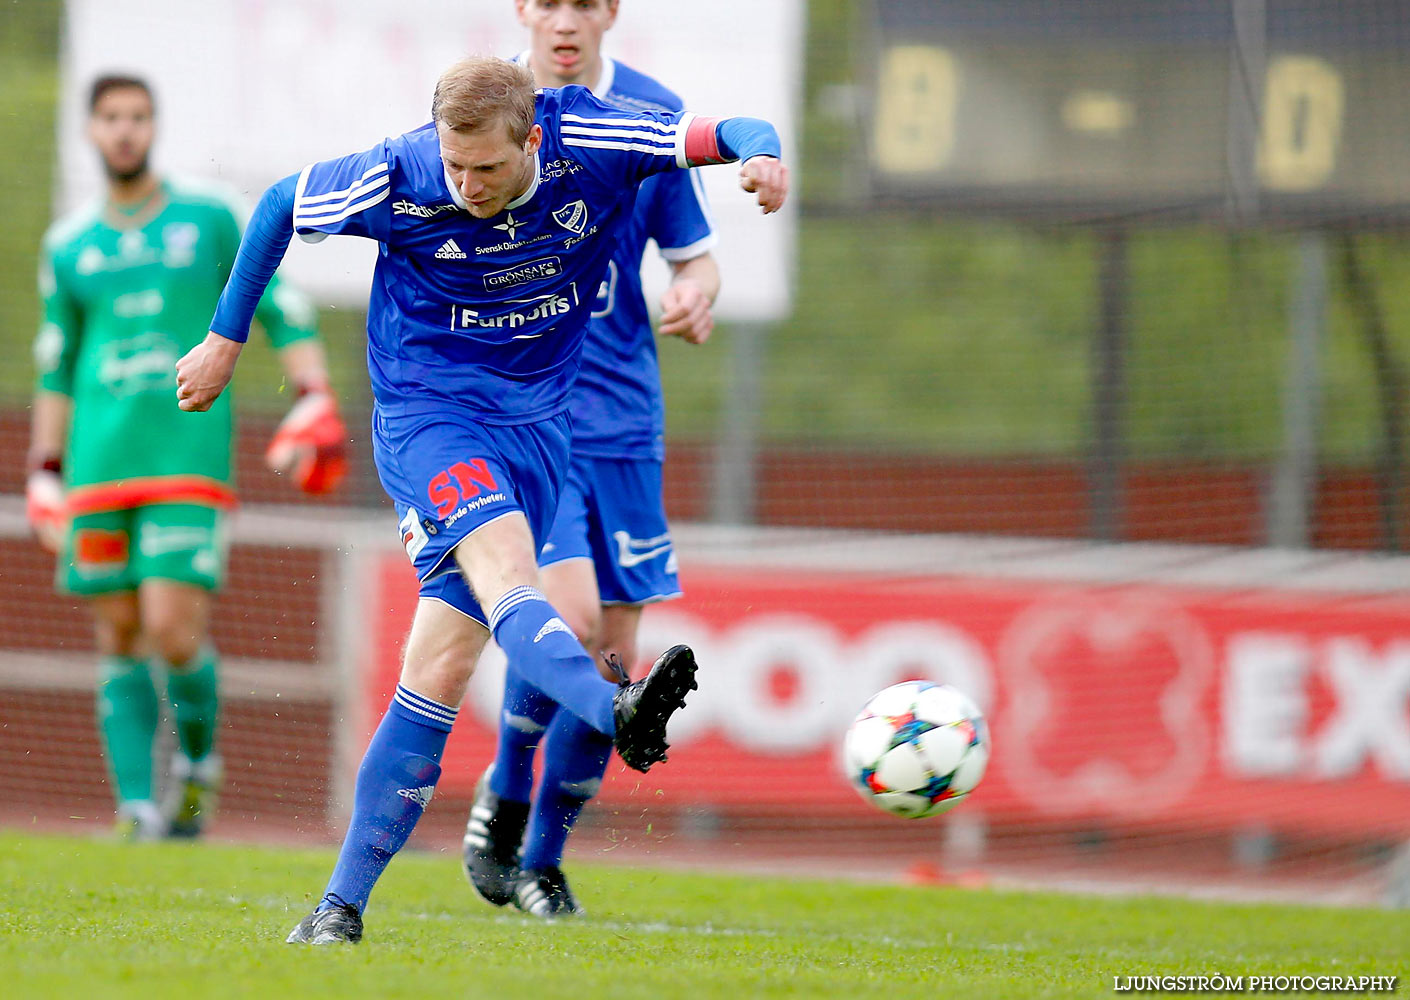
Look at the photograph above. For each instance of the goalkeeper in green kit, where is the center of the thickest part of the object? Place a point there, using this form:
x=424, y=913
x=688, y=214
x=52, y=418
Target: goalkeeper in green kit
x=129, y=490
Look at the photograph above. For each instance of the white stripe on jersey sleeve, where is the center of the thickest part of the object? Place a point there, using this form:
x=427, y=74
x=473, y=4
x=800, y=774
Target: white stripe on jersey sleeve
x=328, y=207
x=635, y=147
x=640, y=123
x=380, y=168
x=298, y=193
x=347, y=213
x=618, y=133
x=324, y=213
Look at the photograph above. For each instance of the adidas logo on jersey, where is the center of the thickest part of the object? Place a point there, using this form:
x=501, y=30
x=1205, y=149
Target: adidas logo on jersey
x=450, y=250
x=421, y=796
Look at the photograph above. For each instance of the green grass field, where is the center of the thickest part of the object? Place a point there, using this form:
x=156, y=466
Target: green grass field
x=80, y=918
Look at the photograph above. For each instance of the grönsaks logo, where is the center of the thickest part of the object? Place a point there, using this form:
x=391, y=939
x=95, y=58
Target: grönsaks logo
x=534, y=270
x=572, y=217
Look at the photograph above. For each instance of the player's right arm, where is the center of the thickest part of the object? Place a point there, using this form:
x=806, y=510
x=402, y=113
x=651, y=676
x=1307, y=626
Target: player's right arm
x=679, y=221
x=344, y=196
x=685, y=305
x=55, y=352
x=44, y=484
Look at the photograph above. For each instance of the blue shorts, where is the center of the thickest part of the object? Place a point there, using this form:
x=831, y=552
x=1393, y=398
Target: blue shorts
x=448, y=474
x=612, y=512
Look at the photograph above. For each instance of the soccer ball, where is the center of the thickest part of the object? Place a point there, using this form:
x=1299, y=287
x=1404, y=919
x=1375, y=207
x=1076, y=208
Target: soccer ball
x=917, y=749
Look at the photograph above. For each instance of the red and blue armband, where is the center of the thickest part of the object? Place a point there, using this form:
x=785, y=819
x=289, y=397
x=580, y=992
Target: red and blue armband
x=724, y=140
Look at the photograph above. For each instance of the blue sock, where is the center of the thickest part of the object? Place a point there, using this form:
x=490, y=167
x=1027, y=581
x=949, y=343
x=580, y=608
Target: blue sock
x=574, y=760
x=547, y=655
x=394, y=786
x=526, y=714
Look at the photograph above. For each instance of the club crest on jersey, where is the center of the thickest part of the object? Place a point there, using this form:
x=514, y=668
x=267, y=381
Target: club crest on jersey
x=573, y=217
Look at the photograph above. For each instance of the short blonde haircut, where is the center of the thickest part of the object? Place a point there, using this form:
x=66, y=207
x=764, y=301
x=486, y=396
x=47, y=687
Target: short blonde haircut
x=477, y=93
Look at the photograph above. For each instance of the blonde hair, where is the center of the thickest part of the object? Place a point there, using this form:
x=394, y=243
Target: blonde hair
x=478, y=92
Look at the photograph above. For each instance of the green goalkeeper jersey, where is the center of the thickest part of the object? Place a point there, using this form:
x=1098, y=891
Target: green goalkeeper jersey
x=124, y=298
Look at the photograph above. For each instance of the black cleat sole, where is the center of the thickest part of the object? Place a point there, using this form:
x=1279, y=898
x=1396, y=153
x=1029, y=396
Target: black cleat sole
x=641, y=741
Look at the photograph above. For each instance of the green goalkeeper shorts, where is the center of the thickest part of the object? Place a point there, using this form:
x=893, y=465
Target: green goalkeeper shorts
x=118, y=549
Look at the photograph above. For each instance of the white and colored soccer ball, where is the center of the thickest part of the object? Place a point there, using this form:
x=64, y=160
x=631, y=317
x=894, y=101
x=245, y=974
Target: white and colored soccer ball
x=917, y=749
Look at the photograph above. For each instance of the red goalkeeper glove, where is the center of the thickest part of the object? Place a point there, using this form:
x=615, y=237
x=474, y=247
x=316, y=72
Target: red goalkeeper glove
x=310, y=443
x=44, y=505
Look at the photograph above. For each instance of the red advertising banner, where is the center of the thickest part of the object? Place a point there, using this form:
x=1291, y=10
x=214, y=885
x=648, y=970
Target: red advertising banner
x=1130, y=704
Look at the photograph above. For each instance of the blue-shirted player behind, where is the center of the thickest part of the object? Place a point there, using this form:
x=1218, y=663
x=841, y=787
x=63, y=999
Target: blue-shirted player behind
x=495, y=221
x=609, y=551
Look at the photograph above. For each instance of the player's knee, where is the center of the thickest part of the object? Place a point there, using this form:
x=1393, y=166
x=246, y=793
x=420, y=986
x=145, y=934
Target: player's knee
x=118, y=638
x=441, y=651
x=585, y=621
x=175, y=642
x=117, y=630
x=440, y=672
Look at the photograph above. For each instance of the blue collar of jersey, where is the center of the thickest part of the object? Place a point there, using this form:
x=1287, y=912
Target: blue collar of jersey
x=459, y=199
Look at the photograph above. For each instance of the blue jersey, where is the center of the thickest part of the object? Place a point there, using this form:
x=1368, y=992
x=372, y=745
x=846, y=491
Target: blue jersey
x=490, y=314
x=616, y=405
